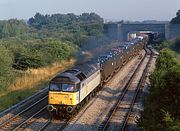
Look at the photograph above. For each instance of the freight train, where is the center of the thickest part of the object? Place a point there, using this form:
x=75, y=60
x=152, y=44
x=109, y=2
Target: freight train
x=71, y=89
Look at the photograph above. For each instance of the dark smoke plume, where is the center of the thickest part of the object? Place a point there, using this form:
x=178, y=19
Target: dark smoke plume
x=94, y=47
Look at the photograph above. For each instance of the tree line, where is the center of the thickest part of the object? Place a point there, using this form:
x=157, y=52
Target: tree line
x=176, y=20
x=71, y=27
x=42, y=40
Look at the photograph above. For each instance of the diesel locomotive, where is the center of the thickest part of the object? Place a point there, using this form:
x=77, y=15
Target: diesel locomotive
x=69, y=90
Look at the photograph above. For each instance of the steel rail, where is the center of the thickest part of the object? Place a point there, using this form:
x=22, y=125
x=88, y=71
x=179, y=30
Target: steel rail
x=143, y=77
x=46, y=124
x=104, y=124
x=28, y=108
x=24, y=122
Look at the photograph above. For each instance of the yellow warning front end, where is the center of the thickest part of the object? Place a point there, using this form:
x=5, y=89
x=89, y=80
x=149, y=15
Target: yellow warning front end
x=63, y=98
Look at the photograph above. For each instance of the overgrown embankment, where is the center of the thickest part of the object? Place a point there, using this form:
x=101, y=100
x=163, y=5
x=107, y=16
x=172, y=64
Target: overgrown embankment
x=31, y=81
x=27, y=65
x=162, y=105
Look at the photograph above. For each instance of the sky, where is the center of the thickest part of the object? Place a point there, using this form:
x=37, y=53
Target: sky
x=110, y=10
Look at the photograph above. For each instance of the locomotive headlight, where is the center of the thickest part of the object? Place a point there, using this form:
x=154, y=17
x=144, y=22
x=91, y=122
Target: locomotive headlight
x=70, y=97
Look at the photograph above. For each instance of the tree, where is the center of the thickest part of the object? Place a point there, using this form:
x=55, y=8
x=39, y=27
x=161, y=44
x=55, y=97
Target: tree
x=68, y=26
x=176, y=20
x=176, y=45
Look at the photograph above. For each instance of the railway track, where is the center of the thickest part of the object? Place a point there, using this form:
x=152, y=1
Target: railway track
x=118, y=105
x=67, y=121
x=25, y=117
x=46, y=124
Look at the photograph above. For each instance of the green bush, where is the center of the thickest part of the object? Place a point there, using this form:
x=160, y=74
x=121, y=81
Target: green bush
x=54, y=51
x=164, y=44
x=5, y=67
x=176, y=44
x=27, y=58
x=41, y=54
x=161, y=107
x=166, y=60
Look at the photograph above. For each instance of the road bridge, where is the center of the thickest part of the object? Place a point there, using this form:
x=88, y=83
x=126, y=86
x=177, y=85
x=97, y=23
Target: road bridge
x=119, y=31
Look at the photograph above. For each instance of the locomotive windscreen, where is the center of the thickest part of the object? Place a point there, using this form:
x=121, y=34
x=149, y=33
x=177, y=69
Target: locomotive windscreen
x=64, y=87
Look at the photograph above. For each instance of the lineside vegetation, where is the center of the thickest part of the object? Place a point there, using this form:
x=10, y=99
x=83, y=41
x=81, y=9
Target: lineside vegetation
x=162, y=104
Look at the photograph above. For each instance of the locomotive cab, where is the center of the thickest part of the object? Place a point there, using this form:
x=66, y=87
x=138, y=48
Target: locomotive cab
x=63, y=93
x=68, y=90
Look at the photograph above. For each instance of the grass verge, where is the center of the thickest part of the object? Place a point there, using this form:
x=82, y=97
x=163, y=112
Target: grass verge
x=29, y=82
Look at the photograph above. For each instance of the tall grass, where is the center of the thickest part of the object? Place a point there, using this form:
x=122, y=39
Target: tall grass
x=31, y=81
x=33, y=77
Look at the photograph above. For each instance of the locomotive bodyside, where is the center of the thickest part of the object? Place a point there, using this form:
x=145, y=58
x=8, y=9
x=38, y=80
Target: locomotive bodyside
x=89, y=84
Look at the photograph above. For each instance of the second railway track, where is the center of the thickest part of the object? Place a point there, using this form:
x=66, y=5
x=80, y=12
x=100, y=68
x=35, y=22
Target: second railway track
x=120, y=112
x=23, y=117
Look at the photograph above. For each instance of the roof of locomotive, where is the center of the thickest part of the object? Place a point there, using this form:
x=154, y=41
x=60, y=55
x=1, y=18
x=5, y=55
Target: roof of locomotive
x=78, y=72
x=65, y=77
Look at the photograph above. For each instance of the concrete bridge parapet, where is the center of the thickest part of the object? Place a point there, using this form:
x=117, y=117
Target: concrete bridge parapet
x=119, y=31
